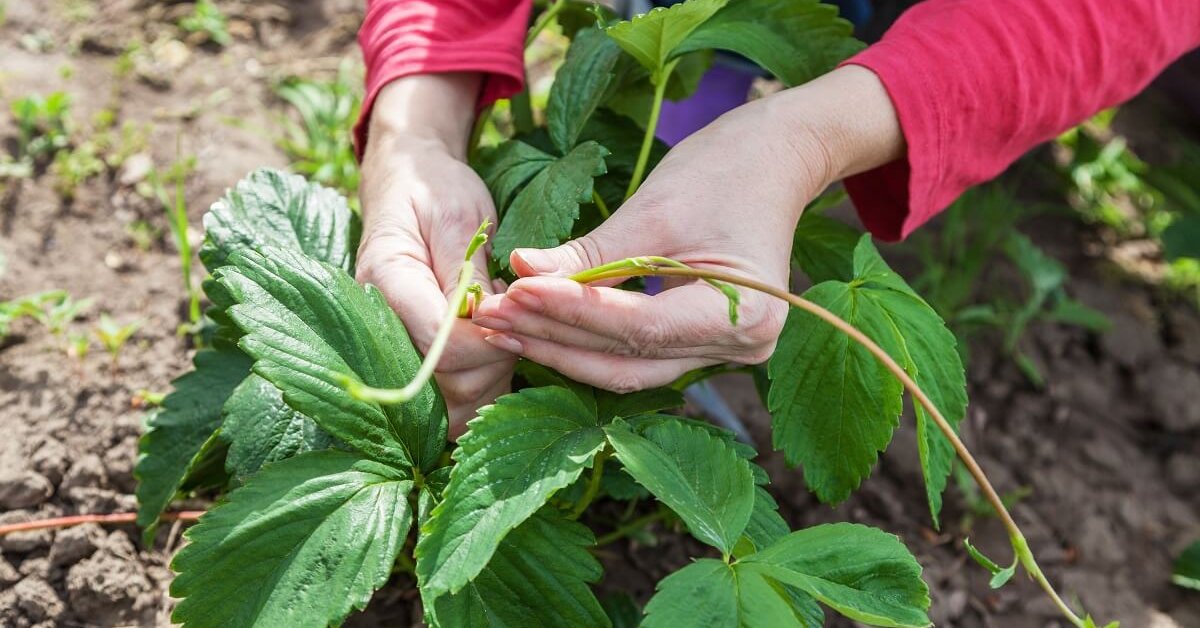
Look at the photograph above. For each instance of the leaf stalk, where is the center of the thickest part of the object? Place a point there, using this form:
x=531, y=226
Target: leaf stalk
x=593, y=486
x=660, y=90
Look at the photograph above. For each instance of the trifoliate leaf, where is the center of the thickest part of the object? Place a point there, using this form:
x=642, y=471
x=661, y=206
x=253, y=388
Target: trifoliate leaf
x=698, y=475
x=930, y=356
x=543, y=212
x=261, y=428
x=537, y=577
x=834, y=406
x=273, y=208
x=823, y=248
x=580, y=86
x=509, y=166
x=1186, y=572
x=303, y=543
x=797, y=41
x=177, y=432
x=310, y=326
x=654, y=37
x=862, y=573
x=710, y=592
x=514, y=456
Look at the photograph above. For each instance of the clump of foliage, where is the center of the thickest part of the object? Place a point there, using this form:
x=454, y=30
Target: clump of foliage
x=113, y=335
x=43, y=126
x=319, y=145
x=312, y=408
x=167, y=188
x=207, y=21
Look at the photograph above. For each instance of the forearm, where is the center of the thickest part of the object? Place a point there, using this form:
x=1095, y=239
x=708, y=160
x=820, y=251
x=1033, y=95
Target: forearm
x=425, y=108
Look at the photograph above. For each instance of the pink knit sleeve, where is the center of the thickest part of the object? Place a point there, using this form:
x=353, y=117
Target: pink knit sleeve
x=977, y=83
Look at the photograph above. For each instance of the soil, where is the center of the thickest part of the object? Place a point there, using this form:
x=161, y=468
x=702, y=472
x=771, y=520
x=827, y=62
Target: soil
x=1109, y=450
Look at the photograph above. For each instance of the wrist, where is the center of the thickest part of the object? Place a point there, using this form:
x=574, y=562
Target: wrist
x=425, y=111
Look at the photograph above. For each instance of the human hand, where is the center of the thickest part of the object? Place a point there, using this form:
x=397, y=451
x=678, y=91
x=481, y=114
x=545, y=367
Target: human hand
x=421, y=206
x=727, y=198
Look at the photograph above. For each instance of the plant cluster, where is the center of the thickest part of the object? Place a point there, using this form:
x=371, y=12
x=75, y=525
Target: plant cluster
x=313, y=410
x=207, y=21
x=319, y=145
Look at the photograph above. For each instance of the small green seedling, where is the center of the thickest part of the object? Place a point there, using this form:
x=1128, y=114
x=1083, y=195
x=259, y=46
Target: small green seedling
x=43, y=125
x=30, y=306
x=56, y=315
x=113, y=336
x=78, y=345
x=319, y=146
x=208, y=21
x=173, y=202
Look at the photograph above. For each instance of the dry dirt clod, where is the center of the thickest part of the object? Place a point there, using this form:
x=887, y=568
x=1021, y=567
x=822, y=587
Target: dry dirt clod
x=86, y=472
x=23, y=489
x=76, y=543
x=1170, y=389
x=8, y=573
x=37, y=600
x=111, y=587
x=1183, y=472
x=50, y=459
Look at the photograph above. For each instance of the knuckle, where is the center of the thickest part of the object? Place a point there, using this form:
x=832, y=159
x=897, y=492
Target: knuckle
x=648, y=336
x=624, y=383
x=586, y=251
x=761, y=323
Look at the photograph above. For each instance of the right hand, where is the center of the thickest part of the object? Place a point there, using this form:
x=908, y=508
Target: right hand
x=421, y=206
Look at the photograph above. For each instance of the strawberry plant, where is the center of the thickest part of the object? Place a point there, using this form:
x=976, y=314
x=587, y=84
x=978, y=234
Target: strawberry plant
x=312, y=409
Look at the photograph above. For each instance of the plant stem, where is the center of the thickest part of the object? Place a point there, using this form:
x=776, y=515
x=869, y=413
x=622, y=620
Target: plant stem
x=544, y=20
x=631, y=527
x=405, y=564
x=74, y=520
x=600, y=204
x=477, y=131
x=660, y=89
x=1020, y=545
x=593, y=487
x=389, y=396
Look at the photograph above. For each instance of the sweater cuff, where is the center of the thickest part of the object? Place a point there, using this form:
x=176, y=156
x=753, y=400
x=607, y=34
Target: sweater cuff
x=896, y=198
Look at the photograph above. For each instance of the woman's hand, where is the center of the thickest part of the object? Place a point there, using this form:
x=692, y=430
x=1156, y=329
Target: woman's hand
x=421, y=205
x=727, y=198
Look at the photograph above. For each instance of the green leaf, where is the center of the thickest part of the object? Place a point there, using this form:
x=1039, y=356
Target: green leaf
x=930, y=356
x=863, y=573
x=309, y=326
x=710, y=592
x=580, y=86
x=537, y=577
x=654, y=37
x=542, y=214
x=834, y=406
x=1000, y=575
x=1186, y=572
x=261, y=428
x=765, y=525
x=514, y=456
x=622, y=137
x=824, y=248
x=303, y=543
x=177, y=432
x=1182, y=237
x=698, y=475
x=796, y=41
x=508, y=167
x=273, y=208
x=622, y=611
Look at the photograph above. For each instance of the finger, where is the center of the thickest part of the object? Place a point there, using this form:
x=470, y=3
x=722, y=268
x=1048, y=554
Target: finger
x=615, y=373
x=506, y=315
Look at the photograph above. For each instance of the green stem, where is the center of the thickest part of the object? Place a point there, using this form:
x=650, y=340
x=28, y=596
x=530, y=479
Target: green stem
x=477, y=131
x=660, y=89
x=544, y=20
x=600, y=204
x=650, y=266
x=631, y=527
x=593, y=487
x=389, y=396
x=405, y=564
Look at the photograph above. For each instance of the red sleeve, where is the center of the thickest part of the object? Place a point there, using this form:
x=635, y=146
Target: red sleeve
x=976, y=83
x=403, y=37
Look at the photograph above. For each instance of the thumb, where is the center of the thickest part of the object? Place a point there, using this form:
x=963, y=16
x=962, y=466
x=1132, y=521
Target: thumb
x=601, y=246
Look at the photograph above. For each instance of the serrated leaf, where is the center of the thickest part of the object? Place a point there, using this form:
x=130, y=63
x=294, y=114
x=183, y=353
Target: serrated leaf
x=861, y=572
x=537, y=577
x=622, y=137
x=302, y=543
x=514, y=456
x=698, y=475
x=509, y=166
x=796, y=41
x=309, y=325
x=177, y=432
x=580, y=86
x=930, y=356
x=1186, y=572
x=654, y=37
x=543, y=212
x=823, y=248
x=273, y=208
x=834, y=406
x=261, y=428
x=710, y=592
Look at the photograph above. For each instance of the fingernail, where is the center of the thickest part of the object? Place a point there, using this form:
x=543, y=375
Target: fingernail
x=505, y=342
x=536, y=260
x=497, y=324
x=527, y=300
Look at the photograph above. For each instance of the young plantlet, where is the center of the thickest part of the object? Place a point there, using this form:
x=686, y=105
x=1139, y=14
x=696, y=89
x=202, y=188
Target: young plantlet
x=114, y=336
x=175, y=205
x=57, y=314
x=78, y=346
x=207, y=21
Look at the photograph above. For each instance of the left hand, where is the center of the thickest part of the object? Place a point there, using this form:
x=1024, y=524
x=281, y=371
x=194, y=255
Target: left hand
x=726, y=198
